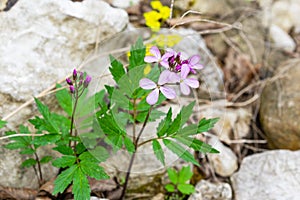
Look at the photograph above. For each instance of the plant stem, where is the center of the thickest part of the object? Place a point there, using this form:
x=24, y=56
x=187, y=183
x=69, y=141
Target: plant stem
x=134, y=153
x=39, y=168
x=73, y=114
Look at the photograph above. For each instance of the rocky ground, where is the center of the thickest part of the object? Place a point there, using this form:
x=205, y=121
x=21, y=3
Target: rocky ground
x=250, y=50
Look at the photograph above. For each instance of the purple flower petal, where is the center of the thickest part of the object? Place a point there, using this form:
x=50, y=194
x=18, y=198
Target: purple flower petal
x=147, y=84
x=164, y=77
x=193, y=83
x=184, y=88
x=185, y=70
x=153, y=97
x=194, y=60
x=169, y=93
x=155, y=51
x=165, y=64
x=198, y=66
x=167, y=55
x=150, y=59
x=174, y=78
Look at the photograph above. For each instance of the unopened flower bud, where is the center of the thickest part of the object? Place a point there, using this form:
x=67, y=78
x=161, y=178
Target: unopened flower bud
x=87, y=81
x=72, y=89
x=81, y=76
x=68, y=80
x=74, y=74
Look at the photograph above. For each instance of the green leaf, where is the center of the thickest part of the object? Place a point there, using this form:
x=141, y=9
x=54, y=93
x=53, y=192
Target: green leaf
x=81, y=188
x=46, y=139
x=164, y=124
x=186, y=113
x=129, y=145
x=80, y=148
x=137, y=54
x=206, y=124
x=180, y=151
x=64, y=179
x=186, y=188
x=159, y=153
x=115, y=140
x=64, y=99
x=28, y=163
x=46, y=159
x=188, y=130
x=116, y=69
x=175, y=125
x=185, y=174
x=64, y=161
x=99, y=153
x=173, y=176
x=64, y=149
x=2, y=123
x=154, y=115
x=93, y=170
x=15, y=145
x=109, y=90
x=170, y=188
x=27, y=150
x=197, y=145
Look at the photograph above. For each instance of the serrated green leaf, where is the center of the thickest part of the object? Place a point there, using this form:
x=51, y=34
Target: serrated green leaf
x=64, y=179
x=28, y=163
x=186, y=112
x=93, y=170
x=163, y=126
x=15, y=145
x=46, y=139
x=197, y=145
x=188, y=130
x=175, y=125
x=46, y=159
x=186, y=188
x=159, y=153
x=129, y=145
x=81, y=188
x=137, y=54
x=99, y=153
x=28, y=151
x=2, y=123
x=185, y=174
x=116, y=69
x=170, y=188
x=64, y=161
x=115, y=140
x=64, y=99
x=154, y=115
x=206, y=124
x=64, y=149
x=120, y=100
x=173, y=175
x=180, y=151
x=109, y=90
x=80, y=148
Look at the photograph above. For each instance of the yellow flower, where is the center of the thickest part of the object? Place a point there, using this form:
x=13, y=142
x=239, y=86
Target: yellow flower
x=147, y=69
x=167, y=40
x=163, y=10
x=152, y=19
x=156, y=5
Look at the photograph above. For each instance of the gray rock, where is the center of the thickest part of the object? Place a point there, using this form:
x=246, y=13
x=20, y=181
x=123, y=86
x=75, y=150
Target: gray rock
x=279, y=107
x=269, y=175
x=206, y=190
x=224, y=163
x=281, y=39
x=124, y=3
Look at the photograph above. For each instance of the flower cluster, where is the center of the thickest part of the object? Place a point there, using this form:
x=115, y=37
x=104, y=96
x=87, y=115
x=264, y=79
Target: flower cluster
x=176, y=71
x=78, y=83
x=155, y=17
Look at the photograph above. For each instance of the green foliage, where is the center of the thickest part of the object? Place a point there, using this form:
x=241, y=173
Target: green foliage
x=2, y=123
x=116, y=69
x=137, y=54
x=64, y=100
x=179, y=181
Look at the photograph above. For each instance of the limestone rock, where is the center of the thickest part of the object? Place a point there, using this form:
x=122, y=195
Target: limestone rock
x=224, y=163
x=124, y=3
x=281, y=39
x=269, y=175
x=206, y=190
x=280, y=110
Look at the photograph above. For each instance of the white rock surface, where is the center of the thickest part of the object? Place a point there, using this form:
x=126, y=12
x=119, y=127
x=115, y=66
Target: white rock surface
x=224, y=163
x=124, y=3
x=269, y=175
x=281, y=39
x=206, y=190
x=41, y=41
x=282, y=13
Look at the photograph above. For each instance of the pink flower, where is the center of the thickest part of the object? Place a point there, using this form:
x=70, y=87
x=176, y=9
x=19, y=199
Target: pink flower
x=185, y=83
x=193, y=63
x=147, y=84
x=162, y=60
